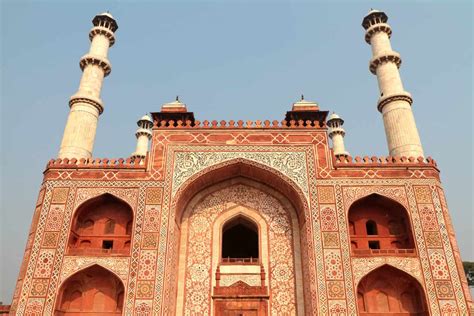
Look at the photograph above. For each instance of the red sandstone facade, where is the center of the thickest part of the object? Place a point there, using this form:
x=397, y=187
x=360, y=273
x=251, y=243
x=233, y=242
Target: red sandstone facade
x=241, y=218
x=416, y=268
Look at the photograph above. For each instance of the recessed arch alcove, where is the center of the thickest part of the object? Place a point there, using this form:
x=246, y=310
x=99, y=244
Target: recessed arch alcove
x=380, y=225
x=390, y=291
x=91, y=291
x=101, y=225
x=237, y=179
x=240, y=240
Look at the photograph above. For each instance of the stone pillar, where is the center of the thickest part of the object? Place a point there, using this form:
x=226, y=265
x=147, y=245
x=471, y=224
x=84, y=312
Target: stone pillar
x=394, y=102
x=86, y=105
x=143, y=135
x=337, y=133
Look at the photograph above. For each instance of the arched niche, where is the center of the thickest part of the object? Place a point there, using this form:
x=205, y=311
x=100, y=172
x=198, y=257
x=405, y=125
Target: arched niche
x=240, y=241
x=379, y=225
x=238, y=208
x=92, y=291
x=255, y=175
x=101, y=226
x=387, y=290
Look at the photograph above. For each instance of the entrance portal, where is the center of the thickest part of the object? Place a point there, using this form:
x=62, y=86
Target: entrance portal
x=239, y=243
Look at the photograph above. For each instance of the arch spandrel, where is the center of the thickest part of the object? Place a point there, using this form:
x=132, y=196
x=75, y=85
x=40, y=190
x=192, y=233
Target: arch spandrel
x=74, y=264
x=290, y=163
x=353, y=194
x=128, y=196
x=239, y=168
x=363, y=266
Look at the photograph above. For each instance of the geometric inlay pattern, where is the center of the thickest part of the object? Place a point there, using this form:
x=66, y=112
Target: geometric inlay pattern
x=198, y=287
x=439, y=267
x=59, y=195
x=44, y=263
x=423, y=194
x=154, y=195
x=55, y=218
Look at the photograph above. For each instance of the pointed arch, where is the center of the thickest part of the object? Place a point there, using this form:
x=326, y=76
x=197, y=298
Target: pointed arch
x=101, y=221
x=240, y=167
x=380, y=225
x=252, y=174
x=240, y=239
x=93, y=289
x=94, y=196
x=387, y=289
x=262, y=199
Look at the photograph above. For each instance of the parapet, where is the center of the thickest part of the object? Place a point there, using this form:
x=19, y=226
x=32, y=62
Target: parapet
x=238, y=124
x=97, y=163
x=389, y=161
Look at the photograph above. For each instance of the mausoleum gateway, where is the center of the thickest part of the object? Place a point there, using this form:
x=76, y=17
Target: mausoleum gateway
x=242, y=218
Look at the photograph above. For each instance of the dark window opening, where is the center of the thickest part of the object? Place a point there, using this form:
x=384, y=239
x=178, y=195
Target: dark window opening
x=240, y=239
x=374, y=244
x=371, y=228
x=107, y=244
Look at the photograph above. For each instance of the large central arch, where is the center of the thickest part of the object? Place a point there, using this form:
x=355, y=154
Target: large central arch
x=256, y=177
x=245, y=168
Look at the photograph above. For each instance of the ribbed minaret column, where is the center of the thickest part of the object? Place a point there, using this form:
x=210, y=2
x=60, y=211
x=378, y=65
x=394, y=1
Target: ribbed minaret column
x=337, y=133
x=394, y=102
x=143, y=135
x=86, y=105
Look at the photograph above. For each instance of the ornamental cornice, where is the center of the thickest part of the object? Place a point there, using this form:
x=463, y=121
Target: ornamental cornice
x=386, y=99
x=385, y=57
x=100, y=61
x=95, y=102
x=144, y=132
x=100, y=30
x=381, y=27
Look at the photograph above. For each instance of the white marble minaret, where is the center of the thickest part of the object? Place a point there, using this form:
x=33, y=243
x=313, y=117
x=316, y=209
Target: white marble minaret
x=394, y=102
x=86, y=105
x=143, y=135
x=337, y=133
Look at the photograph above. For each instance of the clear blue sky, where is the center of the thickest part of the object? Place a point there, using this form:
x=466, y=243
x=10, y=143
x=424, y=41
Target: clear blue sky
x=228, y=60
